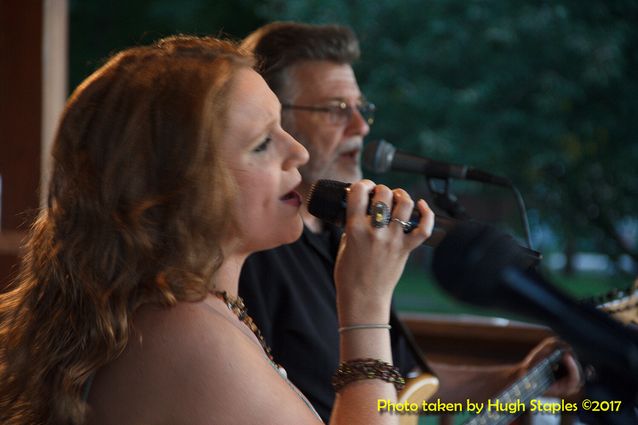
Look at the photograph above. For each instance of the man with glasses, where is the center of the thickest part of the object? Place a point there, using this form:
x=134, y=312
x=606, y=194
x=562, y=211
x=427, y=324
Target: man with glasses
x=310, y=69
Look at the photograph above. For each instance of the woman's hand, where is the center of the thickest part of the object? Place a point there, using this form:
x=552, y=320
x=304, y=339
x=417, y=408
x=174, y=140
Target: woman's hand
x=374, y=250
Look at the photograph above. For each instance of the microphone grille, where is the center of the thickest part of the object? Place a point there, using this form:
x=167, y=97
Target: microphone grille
x=327, y=201
x=378, y=156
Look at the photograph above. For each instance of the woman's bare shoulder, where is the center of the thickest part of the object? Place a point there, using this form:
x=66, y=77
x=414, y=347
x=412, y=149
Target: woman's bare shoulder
x=158, y=328
x=192, y=362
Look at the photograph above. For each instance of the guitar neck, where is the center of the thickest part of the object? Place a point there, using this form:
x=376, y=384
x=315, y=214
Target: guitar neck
x=530, y=386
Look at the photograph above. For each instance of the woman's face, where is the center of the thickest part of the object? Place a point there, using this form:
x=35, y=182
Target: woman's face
x=263, y=159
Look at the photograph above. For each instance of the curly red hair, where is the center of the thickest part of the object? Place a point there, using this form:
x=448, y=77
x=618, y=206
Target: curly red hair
x=136, y=202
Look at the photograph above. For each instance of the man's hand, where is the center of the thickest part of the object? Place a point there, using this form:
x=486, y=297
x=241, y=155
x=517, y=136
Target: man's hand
x=571, y=382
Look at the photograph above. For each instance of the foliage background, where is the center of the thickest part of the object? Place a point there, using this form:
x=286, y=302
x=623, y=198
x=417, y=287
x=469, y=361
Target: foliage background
x=542, y=92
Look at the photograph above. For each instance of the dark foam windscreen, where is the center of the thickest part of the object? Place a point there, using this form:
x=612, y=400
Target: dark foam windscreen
x=327, y=201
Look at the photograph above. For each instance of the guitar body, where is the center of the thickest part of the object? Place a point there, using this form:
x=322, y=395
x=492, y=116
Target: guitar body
x=417, y=390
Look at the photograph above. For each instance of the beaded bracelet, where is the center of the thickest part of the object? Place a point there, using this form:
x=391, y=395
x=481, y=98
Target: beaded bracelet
x=358, y=369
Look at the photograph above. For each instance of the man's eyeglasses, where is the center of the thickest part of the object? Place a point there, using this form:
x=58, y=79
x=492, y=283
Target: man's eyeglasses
x=339, y=113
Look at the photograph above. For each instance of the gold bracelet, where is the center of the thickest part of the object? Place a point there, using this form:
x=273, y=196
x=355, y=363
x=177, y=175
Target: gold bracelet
x=358, y=369
x=365, y=326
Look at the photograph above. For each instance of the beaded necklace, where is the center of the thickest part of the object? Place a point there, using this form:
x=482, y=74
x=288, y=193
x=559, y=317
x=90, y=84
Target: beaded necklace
x=237, y=307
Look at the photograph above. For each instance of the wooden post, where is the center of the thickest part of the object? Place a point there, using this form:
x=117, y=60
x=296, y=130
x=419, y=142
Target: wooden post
x=33, y=74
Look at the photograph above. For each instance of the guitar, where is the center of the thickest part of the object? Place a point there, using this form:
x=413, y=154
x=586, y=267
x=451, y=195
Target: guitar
x=624, y=308
x=417, y=390
x=530, y=386
x=542, y=376
x=421, y=387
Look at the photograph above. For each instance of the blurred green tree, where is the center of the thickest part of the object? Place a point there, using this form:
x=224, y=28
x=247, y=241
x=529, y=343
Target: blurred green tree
x=543, y=92
x=99, y=28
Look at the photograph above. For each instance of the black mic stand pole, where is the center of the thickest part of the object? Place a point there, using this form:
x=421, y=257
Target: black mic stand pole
x=415, y=350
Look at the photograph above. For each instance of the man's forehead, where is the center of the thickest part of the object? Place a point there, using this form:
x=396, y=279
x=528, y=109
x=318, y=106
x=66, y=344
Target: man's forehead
x=325, y=79
x=322, y=70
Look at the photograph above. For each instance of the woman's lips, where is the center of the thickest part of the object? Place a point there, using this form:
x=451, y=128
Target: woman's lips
x=292, y=198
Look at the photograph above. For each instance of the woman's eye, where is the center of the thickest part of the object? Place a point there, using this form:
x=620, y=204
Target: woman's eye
x=263, y=145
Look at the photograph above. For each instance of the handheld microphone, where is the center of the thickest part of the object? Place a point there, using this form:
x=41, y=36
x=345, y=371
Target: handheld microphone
x=380, y=156
x=327, y=201
x=481, y=266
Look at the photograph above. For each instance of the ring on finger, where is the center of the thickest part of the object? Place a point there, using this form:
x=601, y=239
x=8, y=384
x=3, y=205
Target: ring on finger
x=407, y=226
x=379, y=215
